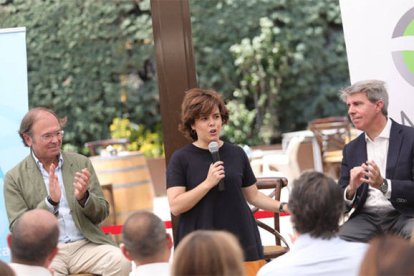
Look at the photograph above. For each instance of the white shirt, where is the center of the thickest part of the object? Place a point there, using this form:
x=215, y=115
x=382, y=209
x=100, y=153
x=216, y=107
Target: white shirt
x=377, y=150
x=315, y=256
x=29, y=270
x=153, y=269
x=68, y=232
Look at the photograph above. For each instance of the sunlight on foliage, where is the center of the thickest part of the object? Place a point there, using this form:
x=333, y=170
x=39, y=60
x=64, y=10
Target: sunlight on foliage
x=140, y=139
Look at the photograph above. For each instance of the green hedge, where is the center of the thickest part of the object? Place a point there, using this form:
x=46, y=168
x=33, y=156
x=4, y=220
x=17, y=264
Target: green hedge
x=278, y=63
x=88, y=60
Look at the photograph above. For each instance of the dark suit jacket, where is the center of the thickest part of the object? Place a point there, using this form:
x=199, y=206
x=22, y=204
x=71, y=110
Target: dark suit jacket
x=24, y=189
x=400, y=168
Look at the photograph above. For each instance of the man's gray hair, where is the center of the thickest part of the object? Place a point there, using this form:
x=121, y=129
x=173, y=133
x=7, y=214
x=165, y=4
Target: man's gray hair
x=374, y=89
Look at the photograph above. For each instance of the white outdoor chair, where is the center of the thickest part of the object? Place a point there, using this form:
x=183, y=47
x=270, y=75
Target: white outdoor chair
x=284, y=162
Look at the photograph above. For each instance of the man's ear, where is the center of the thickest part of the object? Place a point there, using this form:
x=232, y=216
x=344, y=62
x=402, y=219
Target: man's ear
x=380, y=104
x=27, y=139
x=125, y=252
x=169, y=240
x=49, y=260
x=9, y=240
x=51, y=255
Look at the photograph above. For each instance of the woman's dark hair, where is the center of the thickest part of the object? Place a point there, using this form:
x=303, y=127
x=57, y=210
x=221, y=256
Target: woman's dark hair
x=198, y=102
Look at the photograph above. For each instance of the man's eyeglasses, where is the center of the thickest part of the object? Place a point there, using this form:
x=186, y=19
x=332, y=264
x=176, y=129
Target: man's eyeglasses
x=47, y=137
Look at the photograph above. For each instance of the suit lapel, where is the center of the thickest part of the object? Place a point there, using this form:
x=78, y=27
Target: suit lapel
x=37, y=183
x=394, y=148
x=67, y=175
x=361, y=148
x=361, y=157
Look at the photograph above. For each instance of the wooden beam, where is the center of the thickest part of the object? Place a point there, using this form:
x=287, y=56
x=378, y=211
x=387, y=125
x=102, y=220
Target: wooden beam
x=175, y=69
x=175, y=65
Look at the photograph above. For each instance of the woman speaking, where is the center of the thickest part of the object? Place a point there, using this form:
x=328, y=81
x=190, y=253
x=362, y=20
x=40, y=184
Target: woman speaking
x=193, y=178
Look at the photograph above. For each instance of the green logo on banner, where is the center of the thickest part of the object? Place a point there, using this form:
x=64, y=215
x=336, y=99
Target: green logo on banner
x=404, y=59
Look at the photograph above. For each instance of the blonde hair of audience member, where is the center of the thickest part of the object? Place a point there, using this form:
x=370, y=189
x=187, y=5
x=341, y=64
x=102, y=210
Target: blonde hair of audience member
x=5, y=269
x=208, y=252
x=388, y=255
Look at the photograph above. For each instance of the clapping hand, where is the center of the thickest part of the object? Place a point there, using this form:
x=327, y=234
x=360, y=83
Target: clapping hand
x=54, y=187
x=81, y=183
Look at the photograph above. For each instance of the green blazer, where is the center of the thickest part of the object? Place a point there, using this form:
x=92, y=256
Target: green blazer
x=24, y=189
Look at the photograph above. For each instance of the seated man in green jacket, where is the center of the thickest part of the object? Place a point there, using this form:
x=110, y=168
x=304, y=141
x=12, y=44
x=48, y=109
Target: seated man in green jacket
x=67, y=186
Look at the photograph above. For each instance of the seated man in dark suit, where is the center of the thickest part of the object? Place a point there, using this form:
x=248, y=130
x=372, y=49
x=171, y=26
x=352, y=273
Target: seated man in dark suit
x=377, y=171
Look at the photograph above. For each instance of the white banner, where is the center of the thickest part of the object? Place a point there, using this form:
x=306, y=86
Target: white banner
x=13, y=106
x=379, y=36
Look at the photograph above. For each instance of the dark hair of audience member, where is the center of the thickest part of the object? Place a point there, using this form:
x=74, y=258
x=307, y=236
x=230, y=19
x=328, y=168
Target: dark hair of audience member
x=33, y=242
x=316, y=204
x=197, y=103
x=205, y=252
x=149, y=241
x=388, y=255
x=6, y=270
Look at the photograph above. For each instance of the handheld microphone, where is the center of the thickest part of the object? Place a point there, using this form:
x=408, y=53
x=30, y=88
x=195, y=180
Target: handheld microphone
x=213, y=147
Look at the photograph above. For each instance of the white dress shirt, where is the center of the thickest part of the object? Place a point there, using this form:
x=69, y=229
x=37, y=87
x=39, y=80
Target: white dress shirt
x=153, y=269
x=29, y=270
x=68, y=232
x=377, y=150
x=316, y=256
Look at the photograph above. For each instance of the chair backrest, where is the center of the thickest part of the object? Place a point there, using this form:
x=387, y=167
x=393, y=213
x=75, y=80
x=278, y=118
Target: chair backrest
x=96, y=146
x=274, y=185
x=284, y=162
x=332, y=133
x=292, y=152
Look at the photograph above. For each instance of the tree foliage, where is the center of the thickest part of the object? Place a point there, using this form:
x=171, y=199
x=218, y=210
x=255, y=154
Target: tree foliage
x=89, y=60
x=278, y=63
x=287, y=58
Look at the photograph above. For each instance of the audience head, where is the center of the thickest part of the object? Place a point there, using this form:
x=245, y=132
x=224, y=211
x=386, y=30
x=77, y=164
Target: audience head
x=375, y=90
x=205, y=252
x=34, y=237
x=200, y=102
x=6, y=270
x=316, y=204
x=388, y=255
x=31, y=117
x=145, y=239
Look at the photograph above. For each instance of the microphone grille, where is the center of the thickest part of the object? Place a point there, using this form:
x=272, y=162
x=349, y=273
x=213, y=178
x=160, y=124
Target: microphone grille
x=213, y=146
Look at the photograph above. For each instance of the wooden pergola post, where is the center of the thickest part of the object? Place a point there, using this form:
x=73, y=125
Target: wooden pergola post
x=175, y=68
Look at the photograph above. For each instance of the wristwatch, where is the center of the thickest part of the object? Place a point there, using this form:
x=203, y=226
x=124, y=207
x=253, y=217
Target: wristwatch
x=281, y=206
x=50, y=200
x=384, y=186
